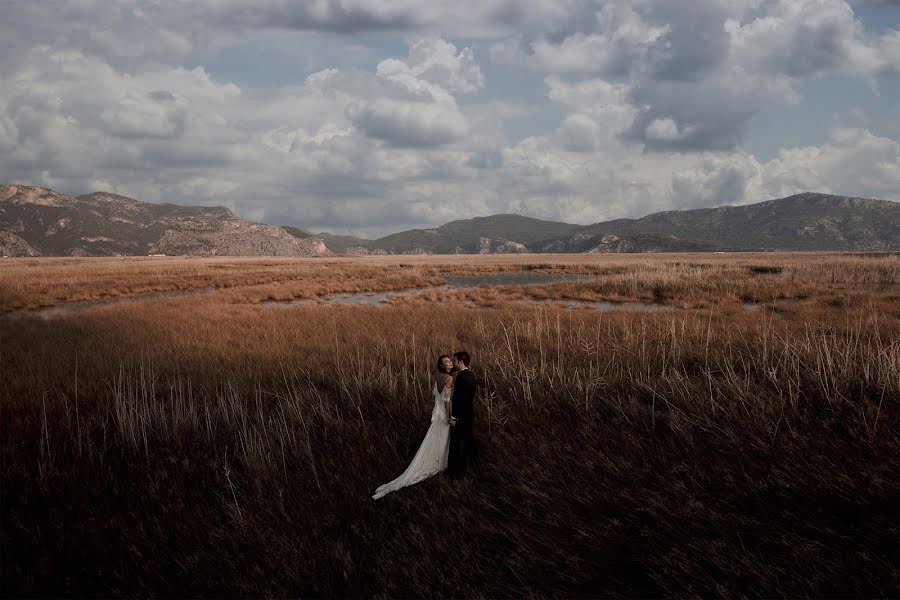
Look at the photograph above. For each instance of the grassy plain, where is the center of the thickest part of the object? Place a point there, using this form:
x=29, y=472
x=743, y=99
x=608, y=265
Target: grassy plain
x=741, y=443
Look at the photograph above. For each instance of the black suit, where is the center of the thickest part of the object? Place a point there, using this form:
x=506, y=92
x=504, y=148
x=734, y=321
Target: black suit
x=461, y=434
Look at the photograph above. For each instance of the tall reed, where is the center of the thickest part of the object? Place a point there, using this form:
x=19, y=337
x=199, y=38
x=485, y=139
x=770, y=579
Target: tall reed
x=201, y=446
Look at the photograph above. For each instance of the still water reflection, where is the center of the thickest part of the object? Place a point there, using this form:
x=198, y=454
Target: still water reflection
x=382, y=298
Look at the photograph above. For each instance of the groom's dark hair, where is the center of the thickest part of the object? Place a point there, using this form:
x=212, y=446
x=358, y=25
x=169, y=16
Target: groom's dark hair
x=463, y=356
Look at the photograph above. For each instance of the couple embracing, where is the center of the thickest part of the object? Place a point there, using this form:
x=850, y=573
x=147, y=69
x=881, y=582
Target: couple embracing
x=448, y=442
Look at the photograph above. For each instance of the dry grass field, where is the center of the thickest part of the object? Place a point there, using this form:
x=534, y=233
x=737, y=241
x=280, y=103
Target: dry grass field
x=729, y=430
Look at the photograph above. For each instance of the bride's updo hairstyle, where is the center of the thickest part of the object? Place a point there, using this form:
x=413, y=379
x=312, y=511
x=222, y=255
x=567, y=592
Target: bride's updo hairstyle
x=440, y=361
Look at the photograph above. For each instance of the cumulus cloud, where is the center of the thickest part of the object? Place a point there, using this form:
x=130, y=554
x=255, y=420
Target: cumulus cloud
x=344, y=16
x=356, y=149
x=418, y=108
x=555, y=182
x=716, y=180
x=599, y=112
x=665, y=130
x=9, y=134
x=464, y=18
x=143, y=116
x=125, y=33
x=706, y=79
x=698, y=76
x=407, y=124
x=578, y=133
x=436, y=60
x=853, y=162
x=686, y=116
x=806, y=39
x=607, y=41
x=645, y=106
x=694, y=44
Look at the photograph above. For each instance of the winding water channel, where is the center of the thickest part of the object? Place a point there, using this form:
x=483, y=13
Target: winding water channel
x=374, y=298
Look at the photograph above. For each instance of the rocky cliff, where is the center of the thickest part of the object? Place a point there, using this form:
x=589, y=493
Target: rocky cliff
x=37, y=221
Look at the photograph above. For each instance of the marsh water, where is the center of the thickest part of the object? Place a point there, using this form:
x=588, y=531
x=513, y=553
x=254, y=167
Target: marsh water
x=66, y=308
x=452, y=282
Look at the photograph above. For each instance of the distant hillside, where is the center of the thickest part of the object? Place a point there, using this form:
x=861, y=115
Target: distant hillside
x=347, y=244
x=37, y=221
x=801, y=222
x=500, y=234
x=807, y=221
x=497, y=234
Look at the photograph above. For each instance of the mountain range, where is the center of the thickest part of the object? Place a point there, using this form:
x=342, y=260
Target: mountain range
x=37, y=221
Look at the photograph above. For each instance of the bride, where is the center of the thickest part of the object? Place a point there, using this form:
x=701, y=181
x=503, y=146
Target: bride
x=431, y=457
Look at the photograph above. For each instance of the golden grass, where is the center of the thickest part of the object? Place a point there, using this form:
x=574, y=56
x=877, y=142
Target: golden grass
x=686, y=279
x=216, y=445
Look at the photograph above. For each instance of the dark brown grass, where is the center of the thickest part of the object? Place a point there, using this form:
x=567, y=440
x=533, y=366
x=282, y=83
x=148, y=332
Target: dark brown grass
x=211, y=445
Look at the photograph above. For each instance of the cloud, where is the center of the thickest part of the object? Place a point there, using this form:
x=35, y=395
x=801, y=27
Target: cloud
x=463, y=18
x=665, y=130
x=125, y=33
x=715, y=180
x=808, y=39
x=414, y=104
x=578, y=133
x=408, y=124
x=696, y=78
x=142, y=116
x=436, y=60
x=548, y=180
x=707, y=79
x=853, y=162
x=599, y=112
x=591, y=110
x=343, y=16
x=77, y=121
x=694, y=43
x=206, y=188
x=616, y=37
x=390, y=139
x=686, y=116
x=9, y=134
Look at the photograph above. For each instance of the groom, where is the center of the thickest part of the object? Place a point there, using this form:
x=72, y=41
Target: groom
x=461, y=416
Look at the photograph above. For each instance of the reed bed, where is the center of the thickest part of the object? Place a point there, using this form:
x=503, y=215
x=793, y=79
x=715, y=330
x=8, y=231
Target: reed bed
x=683, y=279
x=210, y=446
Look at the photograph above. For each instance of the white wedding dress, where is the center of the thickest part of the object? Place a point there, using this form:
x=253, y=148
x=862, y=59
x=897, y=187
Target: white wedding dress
x=431, y=457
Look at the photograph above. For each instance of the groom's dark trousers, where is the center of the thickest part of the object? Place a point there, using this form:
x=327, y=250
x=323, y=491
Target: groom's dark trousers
x=461, y=434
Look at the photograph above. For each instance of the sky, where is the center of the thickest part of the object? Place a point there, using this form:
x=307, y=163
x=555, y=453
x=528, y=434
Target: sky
x=367, y=117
